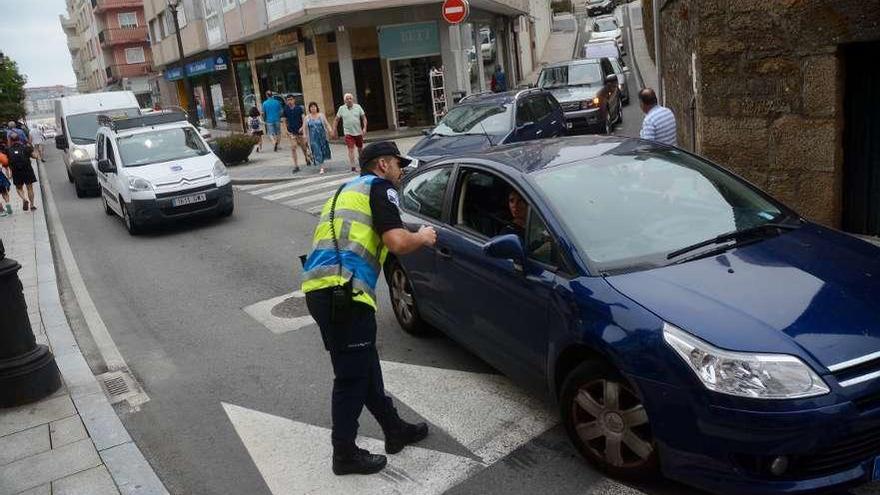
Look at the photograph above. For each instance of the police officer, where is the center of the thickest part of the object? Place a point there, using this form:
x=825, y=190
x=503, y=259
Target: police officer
x=358, y=226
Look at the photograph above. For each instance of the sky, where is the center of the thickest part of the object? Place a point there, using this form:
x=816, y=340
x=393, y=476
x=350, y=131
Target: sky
x=31, y=34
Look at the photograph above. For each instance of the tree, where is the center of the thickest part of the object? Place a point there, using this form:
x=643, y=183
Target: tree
x=11, y=90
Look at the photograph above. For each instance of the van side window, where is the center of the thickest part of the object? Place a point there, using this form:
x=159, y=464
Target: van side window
x=99, y=148
x=110, y=155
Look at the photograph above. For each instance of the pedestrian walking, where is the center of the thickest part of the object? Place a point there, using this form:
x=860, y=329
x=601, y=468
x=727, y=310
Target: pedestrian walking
x=19, y=154
x=272, y=115
x=12, y=128
x=659, y=123
x=37, y=139
x=339, y=280
x=255, y=127
x=5, y=185
x=293, y=120
x=318, y=132
x=354, y=127
x=499, y=80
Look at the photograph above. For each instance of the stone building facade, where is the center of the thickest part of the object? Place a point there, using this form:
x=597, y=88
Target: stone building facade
x=761, y=87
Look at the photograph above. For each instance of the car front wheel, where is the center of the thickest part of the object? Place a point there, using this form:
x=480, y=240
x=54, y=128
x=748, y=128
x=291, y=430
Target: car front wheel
x=131, y=224
x=607, y=422
x=404, y=302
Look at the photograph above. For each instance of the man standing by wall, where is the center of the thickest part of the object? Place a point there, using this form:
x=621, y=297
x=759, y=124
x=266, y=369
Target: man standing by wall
x=339, y=280
x=659, y=123
x=354, y=126
x=272, y=116
x=293, y=120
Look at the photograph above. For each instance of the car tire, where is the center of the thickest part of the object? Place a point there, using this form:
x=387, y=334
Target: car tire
x=605, y=419
x=403, y=302
x=107, y=209
x=69, y=175
x=131, y=225
x=81, y=192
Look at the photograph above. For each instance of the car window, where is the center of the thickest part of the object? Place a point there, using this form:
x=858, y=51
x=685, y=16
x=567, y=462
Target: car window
x=424, y=193
x=160, y=146
x=523, y=112
x=99, y=148
x=83, y=127
x=540, y=107
x=480, y=118
x=110, y=154
x=482, y=199
x=539, y=243
x=605, y=25
x=570, y=75
x=615, y=64
x=606, y=67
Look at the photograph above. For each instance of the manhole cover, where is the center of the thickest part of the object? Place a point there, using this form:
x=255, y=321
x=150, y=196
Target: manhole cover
x=291, y=307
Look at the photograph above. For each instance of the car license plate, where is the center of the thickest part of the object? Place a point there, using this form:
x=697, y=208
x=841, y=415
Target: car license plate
x=188, y=200
x=875, y=474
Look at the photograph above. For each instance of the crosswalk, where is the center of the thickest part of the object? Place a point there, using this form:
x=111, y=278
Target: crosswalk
x=307, y=195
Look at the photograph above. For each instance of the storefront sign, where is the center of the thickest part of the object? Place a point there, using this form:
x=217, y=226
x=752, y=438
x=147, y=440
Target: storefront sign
x=455, y=11
x=238, y=53
x=409, y=40
x=206, y=65
x=174, y=73
x=285, y=38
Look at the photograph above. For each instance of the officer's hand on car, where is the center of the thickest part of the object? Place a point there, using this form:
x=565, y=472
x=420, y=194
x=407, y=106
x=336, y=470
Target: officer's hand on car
x=428, y=235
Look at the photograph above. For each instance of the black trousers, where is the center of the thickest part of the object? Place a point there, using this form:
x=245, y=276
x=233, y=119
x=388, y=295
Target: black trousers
x=357, y=375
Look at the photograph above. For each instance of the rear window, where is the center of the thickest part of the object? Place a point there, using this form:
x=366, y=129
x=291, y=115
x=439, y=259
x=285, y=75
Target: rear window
x=605, y=25
x=570, y=75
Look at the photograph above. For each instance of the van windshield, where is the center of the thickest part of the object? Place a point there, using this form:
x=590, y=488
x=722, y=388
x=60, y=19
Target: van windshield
x=160, y=146
x=82, y=128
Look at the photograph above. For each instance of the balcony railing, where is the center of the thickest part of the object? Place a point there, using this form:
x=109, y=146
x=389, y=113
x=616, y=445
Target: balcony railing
x=119, y=36
x=102, y=5
x=117, y=72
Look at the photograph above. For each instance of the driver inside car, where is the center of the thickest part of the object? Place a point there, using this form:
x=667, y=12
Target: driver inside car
x=519, y=212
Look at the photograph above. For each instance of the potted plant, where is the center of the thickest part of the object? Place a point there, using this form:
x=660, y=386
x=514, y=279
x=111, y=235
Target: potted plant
x=235, y=148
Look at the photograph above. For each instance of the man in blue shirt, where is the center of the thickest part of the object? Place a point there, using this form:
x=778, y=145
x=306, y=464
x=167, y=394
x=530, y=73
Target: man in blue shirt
x=293, y=118
x=659, y=123
x=272, y=116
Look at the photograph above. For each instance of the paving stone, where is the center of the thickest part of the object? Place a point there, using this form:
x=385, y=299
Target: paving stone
x=67, y=430
x=131, y=471
x=24, y=444
x=101, y=420
x=51, y=465
x=40, y=490
x=77, y=374
x=42, y=412
x=95, y=481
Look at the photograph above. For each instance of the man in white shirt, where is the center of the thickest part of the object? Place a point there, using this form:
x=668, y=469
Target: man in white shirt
x=659, y=123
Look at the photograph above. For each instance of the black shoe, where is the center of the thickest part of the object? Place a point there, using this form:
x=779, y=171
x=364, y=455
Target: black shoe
x=407, y=433
x=25, y=206
x=359, y=462
x=295, y=170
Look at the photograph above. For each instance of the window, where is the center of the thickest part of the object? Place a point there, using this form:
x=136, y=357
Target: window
x=169, y=22
x=135, y=55
x=154, y=31
x=99, y=148
x=539, y=243
x=424, y=194
x=483, y=207
x=110, y=154
x=523, y=112
x=606, y=68
x=540, y=107
x=160, y=146
x=127, y=20
x=570, y=75
x=228, y=5
x=161, y=23
x=181, y=17
x=482, y=118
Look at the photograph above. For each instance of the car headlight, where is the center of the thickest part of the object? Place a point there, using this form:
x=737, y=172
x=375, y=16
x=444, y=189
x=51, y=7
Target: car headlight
x=220, y=170
x=594, y=103
x=139, y=184
x=79, y=154
x=745, y=374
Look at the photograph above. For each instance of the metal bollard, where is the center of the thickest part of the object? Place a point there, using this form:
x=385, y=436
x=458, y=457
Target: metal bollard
x=28, y=371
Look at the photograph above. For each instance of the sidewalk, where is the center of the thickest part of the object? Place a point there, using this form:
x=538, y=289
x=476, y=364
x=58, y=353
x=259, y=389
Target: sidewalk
x=72, y=442
x=645, y=69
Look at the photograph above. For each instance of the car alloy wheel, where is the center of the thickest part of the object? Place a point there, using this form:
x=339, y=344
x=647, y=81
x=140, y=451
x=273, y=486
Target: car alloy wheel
x=404, y=303
x=607, y=422
x=130, y=225
x=107, y=208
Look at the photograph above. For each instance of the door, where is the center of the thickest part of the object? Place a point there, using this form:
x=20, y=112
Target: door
x=611, y=90
x=371, y=92
x=861, y=135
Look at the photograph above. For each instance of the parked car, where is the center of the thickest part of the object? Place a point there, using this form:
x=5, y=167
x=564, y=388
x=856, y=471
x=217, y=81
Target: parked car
x=599, y=7
x=588, y=91
x=683, y=321
x=49, y=132
x=485, y=120
x=606, y=28
x=157, y=168
x=622, y=72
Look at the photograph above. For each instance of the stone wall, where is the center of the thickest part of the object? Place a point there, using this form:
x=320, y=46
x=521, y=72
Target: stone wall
x=770, y=89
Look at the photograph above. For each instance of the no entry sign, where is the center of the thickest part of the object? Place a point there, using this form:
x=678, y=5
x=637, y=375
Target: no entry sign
x=455, y=11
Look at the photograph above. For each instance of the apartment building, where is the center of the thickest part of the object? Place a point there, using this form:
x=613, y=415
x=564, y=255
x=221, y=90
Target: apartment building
x=381, y=51
x=40, y=101
x=109, y=46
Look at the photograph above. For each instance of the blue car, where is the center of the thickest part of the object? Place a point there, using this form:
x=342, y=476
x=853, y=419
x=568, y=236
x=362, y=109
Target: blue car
x=684, y=322
x=484, y=120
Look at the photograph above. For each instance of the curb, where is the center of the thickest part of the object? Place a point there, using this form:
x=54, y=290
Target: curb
x=631, y=48
x=126, y=463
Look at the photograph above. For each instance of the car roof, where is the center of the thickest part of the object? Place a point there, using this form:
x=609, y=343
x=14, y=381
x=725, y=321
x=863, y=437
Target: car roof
x=140, y=130
x=542, y=154
x=576, y=61
x=503, y=97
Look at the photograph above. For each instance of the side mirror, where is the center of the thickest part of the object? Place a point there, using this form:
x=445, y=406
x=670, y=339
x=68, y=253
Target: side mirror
x=505, y=247
x=611, y=79
x=106, y=167
x=61, y=142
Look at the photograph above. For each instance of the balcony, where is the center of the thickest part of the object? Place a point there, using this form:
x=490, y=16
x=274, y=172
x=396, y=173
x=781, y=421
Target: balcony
x=73, y=43
x=115, y=73
x=67, y=22
x=122, y=36
x=102, y=5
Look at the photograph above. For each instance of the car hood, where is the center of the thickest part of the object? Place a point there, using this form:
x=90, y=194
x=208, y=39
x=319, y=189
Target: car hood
x=571, y=93
x=814, y=287
x=177, y=172
x=436, y=146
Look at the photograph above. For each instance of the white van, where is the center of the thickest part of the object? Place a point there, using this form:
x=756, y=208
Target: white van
x=76, y=125
x=157, y=168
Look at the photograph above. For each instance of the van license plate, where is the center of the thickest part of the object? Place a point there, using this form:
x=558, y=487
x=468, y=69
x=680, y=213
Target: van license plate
x=188, y=200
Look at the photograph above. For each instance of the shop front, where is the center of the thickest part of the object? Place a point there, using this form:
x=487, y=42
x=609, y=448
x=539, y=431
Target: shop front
x=274, y=66
x=412, y=52
x=213, y=89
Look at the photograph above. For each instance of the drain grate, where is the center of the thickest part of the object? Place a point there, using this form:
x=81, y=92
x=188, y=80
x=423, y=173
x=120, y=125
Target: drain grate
x=120, y=386
x=116, y=386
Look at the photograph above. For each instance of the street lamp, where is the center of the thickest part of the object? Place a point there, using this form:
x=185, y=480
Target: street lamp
x=187, y=84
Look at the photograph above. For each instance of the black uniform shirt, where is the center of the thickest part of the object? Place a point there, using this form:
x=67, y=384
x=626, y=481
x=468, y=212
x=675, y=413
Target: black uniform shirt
x=385, y=206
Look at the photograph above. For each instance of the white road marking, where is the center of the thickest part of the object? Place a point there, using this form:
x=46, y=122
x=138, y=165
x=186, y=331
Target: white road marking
x=295, y=458
x=294, y=183
x=301, y=190
x=321, y=196
x=248, y=187
x=262, y=312
x=485, y=413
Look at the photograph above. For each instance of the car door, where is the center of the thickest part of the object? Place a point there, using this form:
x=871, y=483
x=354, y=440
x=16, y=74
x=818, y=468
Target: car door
x=422, y=202
x=113, y=178
x=525, y=125
x=551, y=124
x=611, y=90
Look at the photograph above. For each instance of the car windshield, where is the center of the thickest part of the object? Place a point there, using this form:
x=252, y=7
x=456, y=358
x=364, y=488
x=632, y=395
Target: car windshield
x=160, y=146
x=570, y=75
x=487, y=118
x=82, y=128
x=605, y=25
x=630, y=210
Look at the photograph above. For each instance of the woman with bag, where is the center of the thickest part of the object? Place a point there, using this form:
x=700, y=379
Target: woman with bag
x=316, y=130
x=255, y=126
